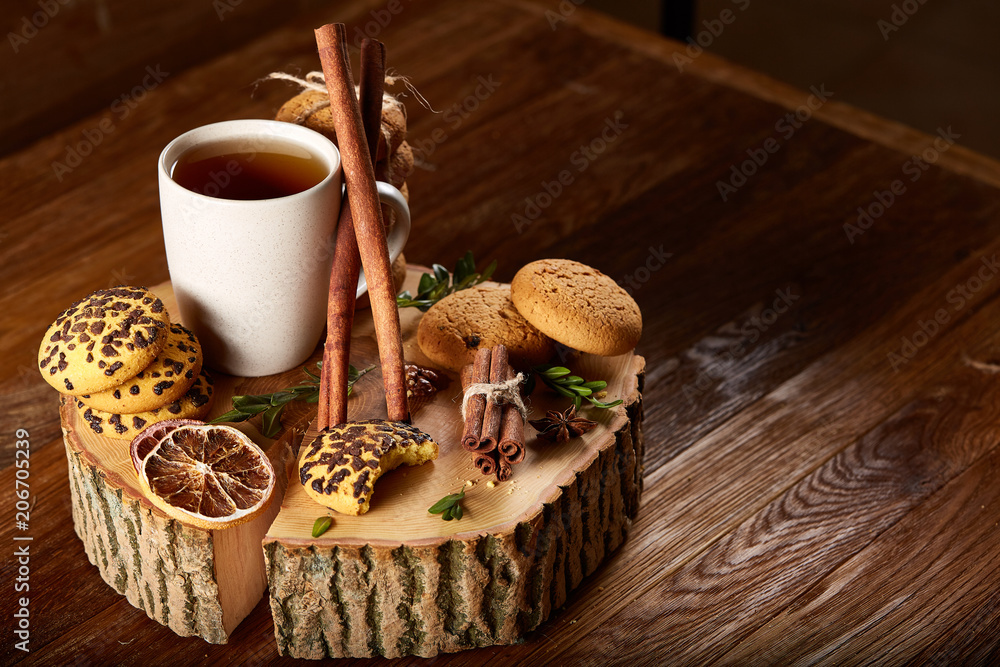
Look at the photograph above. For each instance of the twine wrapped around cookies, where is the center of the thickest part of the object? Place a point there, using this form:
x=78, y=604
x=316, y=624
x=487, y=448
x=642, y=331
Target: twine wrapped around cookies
x=316, y=81
x=311, y=108
x=301, y=109
x=313, y=81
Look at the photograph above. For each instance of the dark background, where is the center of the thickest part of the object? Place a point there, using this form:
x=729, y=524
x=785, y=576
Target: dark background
x=938, y=69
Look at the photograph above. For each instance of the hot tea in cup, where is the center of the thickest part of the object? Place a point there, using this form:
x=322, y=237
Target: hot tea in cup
x=228, y=171
x=249, y=212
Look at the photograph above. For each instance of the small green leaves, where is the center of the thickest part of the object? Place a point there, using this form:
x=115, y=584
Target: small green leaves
x=436, y=286
x=560, y=380
x=322, y=525
x=449, y=507
x=270, y=406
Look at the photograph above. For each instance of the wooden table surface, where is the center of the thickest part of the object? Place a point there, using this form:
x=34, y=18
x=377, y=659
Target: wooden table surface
x=822, y=401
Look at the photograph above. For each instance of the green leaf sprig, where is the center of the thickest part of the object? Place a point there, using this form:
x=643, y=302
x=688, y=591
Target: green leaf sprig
x=449, y=507
x=435, y=286
x=322, y=525
x=270, y=406
x=561, y=380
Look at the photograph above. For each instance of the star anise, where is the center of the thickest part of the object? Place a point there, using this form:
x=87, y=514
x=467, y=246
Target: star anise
x=422, y=381
x=561, y=426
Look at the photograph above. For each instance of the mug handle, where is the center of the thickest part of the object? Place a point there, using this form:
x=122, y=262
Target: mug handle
x=392, y=198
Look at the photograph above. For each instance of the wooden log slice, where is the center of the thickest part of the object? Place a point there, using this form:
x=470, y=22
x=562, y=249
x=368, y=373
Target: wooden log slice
x=197, y=582
x=400, y=581
x=396, y=580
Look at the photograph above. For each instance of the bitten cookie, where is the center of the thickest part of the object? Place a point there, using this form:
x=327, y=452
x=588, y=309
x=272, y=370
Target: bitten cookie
x=164, y=381
x=195, y=404
x=578, y=306
x=103, y=339
x=481, y=316
x=339, y=468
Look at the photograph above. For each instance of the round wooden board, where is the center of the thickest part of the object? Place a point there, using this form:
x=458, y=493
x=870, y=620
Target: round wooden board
x=396, y=580
x=399, y=505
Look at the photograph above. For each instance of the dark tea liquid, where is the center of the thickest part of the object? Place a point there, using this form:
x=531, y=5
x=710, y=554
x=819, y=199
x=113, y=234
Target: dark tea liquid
x=226, y=172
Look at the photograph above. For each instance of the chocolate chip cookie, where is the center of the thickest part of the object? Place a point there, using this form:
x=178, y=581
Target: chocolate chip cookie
x=103, y=339
x=164, y=381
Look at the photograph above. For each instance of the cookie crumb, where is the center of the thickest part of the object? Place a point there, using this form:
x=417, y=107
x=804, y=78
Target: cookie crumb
x=491, y=484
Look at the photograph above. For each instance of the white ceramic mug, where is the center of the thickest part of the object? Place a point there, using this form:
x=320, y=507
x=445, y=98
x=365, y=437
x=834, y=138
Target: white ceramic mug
x=252, y=277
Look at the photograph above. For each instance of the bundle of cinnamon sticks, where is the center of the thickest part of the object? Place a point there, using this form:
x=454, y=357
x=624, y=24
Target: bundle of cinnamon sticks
x=494, y=428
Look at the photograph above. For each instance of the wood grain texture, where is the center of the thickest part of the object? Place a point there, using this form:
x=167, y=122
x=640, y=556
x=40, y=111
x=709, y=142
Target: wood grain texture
x=70, y=59
x=786, y=461
x=366, y=597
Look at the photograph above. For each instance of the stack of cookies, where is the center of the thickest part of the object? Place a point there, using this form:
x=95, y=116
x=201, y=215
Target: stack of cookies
x=549, y=301
x=123, y=363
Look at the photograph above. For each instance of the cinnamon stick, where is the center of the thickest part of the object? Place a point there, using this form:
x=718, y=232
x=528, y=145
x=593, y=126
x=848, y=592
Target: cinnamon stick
x=504, y=469
x=487, y=462
x=371, y=90
x=494, y=411
x=479, y=372
x=359, y=175
x=332, y=407
x=511, y=445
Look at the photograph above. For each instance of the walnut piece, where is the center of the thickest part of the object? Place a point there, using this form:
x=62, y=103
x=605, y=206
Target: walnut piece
x=422, y=382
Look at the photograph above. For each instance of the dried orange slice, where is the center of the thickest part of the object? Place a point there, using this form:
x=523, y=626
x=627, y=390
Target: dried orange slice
x=209, y=476
x=143, y=443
